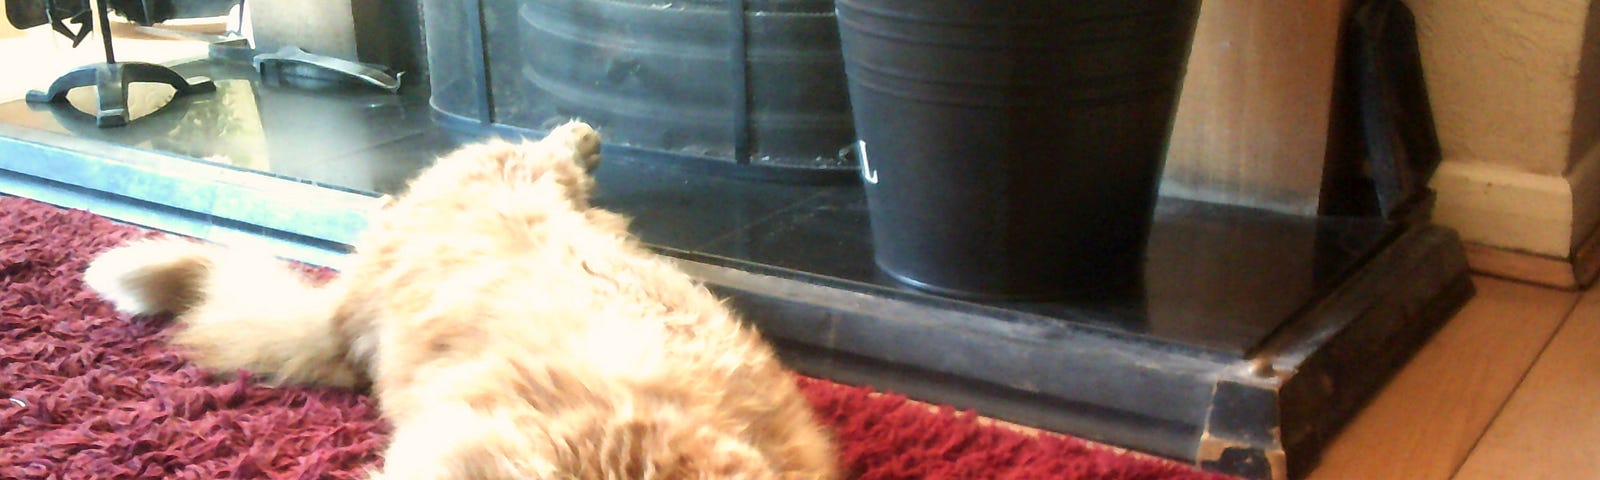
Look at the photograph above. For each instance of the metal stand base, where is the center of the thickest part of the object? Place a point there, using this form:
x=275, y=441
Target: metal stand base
x=112, y=80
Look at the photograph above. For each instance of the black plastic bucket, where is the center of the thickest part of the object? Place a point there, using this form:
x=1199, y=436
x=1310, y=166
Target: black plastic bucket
x=1013, y=148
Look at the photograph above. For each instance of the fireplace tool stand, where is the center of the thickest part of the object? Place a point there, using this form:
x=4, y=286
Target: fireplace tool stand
x=111, y=80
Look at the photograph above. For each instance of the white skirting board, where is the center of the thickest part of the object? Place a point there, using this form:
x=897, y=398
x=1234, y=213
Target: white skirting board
x=1504, y=214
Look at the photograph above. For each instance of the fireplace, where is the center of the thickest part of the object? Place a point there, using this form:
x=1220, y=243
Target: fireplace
x=1251, y=339
x=758, y=93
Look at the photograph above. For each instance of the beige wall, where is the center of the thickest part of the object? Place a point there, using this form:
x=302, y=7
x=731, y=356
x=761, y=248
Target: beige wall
x=1515, y=86
x=1503, y=75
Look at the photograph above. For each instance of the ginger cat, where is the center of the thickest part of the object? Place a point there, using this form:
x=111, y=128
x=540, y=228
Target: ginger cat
x=508, y=329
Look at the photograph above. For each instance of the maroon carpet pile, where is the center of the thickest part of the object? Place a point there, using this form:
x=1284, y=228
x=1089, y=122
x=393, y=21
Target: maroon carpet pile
x=86, y=393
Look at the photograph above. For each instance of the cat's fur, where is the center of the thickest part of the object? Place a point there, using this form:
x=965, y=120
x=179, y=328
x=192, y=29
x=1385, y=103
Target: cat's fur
x=507, y=328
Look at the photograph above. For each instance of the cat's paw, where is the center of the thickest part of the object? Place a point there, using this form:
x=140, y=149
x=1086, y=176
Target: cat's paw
x=582, y=139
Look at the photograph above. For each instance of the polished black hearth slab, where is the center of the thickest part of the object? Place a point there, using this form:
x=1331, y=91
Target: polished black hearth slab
x=1255, y=335
x=355, y=139
x=1219, y=278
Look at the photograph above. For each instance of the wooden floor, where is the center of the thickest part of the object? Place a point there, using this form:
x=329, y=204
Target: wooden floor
x=1508, y=389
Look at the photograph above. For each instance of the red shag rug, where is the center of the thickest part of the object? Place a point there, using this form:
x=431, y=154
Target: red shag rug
x=85, y=393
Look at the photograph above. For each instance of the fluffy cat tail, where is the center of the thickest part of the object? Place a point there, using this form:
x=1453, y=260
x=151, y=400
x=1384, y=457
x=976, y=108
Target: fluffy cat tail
x=234, y=311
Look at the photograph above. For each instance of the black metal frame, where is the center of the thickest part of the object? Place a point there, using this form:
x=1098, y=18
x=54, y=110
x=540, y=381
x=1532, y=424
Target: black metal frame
x=478, y=61
x=739, y=87
x=111, y=80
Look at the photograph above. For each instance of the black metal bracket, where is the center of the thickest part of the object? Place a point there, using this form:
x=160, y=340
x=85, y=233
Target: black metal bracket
x=81, y=19
x=1394, y=148
x=28, y=14
x=1396, y=117
x=478, y=60
x=291, y=63
x=739, y=87
x=111, y=79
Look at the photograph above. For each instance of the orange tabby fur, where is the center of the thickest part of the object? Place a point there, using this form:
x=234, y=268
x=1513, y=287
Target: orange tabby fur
x=508, y=329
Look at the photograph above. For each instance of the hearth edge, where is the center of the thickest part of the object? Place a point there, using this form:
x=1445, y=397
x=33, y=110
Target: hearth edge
x=1223, y=413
